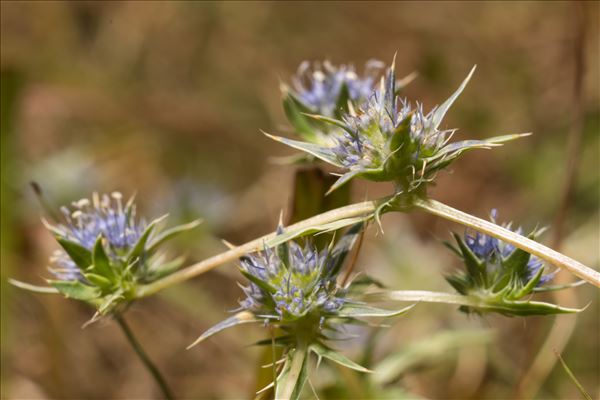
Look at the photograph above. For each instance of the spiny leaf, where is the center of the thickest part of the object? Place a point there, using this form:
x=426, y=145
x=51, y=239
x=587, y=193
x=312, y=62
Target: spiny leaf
x=344, y=179
x=341, y=105
x=165, y=268
x=528, y=288
x=332, y=355
x=552, y=288
x=475, y=267
x=100, y=261
x=360, y=310
x=440, y=112
x=258, y=282
x=81, y=256
x=33, y=288
x=76, y=290
x=98, y=280
x=295, y=112
x=171, y=233
x=332, y=121
x=243, y=317
x=140, y=246
x=320, y=152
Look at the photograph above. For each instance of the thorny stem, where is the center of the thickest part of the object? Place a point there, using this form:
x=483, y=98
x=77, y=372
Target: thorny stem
x=139, y=350
x=353, y=210
x=530, y=246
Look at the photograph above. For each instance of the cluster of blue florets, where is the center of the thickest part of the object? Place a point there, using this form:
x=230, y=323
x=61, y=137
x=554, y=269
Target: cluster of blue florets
x=290, y=284
x=104, y=216
x=493, y=251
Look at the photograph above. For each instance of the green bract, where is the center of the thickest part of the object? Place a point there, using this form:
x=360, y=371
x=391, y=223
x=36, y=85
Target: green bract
x=384, y=138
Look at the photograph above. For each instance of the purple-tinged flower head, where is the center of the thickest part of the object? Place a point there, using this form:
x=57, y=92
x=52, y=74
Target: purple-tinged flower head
x=320, y=86
x=495, y=251
x=384, y=138
x=290, y=281
x=107, y=252
x=294, y=288
x=102, y=216
x=499, y=274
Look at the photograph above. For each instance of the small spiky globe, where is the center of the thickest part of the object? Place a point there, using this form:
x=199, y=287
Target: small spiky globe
x=104, y=216
x=290, y=282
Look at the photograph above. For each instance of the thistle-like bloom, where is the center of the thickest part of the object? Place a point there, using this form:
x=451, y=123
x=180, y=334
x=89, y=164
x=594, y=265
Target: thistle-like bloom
x=493, y=251
x=324, y=88
x=87, y=221
x=499, y=274
x=107, y=251
x=388, y=139
x=292, y=283
x=295, y=288
x=331, y=91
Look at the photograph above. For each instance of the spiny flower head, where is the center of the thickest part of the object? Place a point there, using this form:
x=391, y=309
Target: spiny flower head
x=494, y=251
x=497, y=271
x=386, y=138
x=104, y=216
x=295, y=288
x=331, y=91
x=290, y=282
x=107, y=251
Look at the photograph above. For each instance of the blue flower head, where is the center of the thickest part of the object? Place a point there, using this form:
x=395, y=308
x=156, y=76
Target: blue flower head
x=107, y=251
x=291, y=281
x=294, y=287
x=495, y=269
x=386, y=138
x=494, y=251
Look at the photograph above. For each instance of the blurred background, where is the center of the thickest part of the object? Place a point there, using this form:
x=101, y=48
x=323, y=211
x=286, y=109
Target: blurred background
x=166, y=99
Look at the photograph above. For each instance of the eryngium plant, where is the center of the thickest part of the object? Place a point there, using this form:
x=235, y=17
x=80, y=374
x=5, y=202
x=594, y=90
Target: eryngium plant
x=500, y=275
x=107, y=251
x=386, y=138
x=295, y=288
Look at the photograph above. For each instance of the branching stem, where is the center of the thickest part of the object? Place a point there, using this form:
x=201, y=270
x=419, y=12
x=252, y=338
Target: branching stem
x=369, y=208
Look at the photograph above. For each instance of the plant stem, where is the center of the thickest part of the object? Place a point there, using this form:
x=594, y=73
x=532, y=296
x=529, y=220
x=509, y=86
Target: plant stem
x=350, y=211
x=291, y=377
x=530, y=246
x=144, y=357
